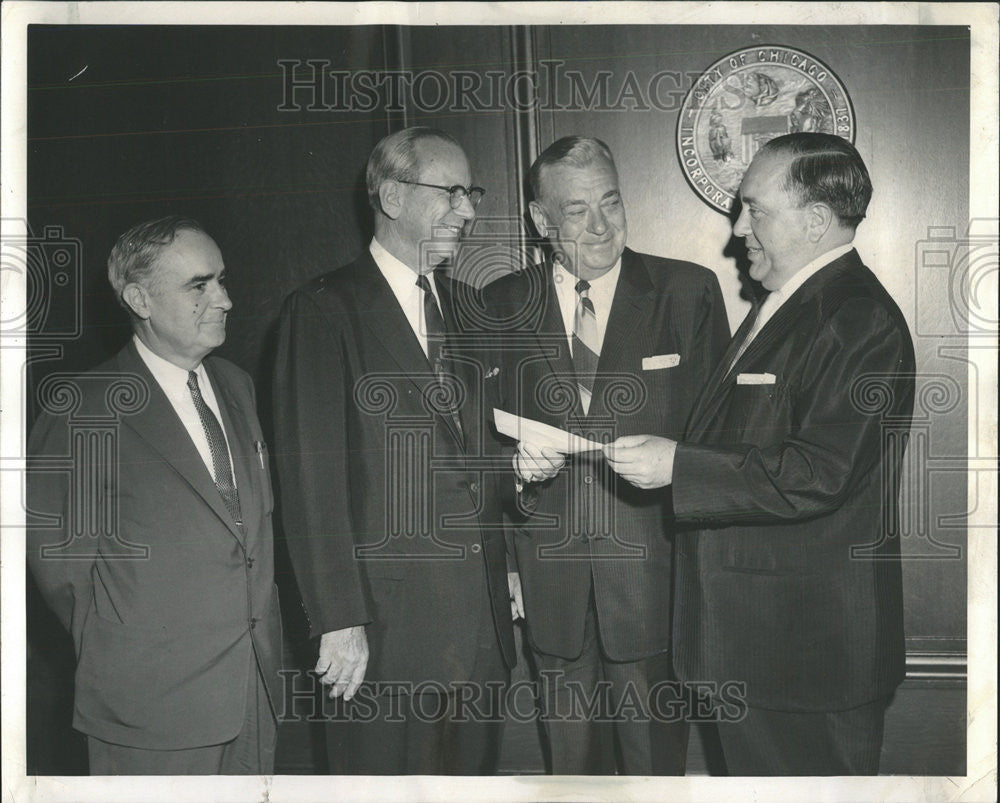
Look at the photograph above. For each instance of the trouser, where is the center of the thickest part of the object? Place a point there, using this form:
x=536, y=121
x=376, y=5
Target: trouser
x=429, y=730
x=590, y=701
x=250, y=753
x=792, y=743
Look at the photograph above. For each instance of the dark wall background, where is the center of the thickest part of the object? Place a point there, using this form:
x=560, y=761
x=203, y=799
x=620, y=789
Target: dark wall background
x=186, y=119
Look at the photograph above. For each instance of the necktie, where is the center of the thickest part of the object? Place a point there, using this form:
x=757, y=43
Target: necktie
x=586, y=345
x=433, y=325
x=763, y=316
x=221, y=467
x=436, y=334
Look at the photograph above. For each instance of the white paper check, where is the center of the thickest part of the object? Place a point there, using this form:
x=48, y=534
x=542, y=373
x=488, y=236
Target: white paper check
x=538, y=434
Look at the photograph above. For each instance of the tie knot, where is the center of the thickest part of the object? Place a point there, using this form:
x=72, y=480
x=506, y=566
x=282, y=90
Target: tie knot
x=192, y=382
x=424, y=283
x=583, y=287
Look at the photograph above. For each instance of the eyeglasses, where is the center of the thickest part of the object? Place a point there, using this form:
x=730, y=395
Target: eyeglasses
x=457, y=194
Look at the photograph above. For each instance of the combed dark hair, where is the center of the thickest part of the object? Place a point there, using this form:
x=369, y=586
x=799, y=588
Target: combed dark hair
x=575, y=151
x=828, y=169
x=135, y=252
x=395, y=158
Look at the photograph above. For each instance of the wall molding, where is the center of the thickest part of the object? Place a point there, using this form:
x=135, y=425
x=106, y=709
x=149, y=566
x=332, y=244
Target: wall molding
x=930, y=665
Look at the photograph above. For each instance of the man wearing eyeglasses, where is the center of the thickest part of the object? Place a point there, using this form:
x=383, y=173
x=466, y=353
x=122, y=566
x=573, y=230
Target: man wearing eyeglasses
x=378, y=425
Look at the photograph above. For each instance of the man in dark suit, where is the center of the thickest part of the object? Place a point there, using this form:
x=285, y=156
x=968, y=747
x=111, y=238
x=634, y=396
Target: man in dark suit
x=602, y=341
x=387, y=505
x=790, y=468
x=157, y=554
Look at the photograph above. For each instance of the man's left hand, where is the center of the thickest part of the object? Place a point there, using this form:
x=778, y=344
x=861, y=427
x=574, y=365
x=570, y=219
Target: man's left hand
x=646, y=461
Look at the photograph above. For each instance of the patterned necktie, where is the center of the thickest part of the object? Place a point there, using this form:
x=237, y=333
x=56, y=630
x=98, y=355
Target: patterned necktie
x=586, y=345
x=436, y=333
x=221, y=467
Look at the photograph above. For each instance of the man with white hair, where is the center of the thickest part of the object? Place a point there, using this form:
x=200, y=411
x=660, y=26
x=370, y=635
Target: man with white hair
x=386, y=512
x=603, y=341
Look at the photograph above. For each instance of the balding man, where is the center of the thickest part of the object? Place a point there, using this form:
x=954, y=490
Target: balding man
x=387, y=514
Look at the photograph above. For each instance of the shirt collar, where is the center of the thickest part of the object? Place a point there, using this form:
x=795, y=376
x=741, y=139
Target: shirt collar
x=172, y=378
x=401, y=278
x=812, y=268
x=602, y=289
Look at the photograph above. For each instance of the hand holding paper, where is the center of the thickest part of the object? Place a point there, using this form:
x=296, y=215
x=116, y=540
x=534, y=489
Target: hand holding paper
x=646, y=461
x=537, y=463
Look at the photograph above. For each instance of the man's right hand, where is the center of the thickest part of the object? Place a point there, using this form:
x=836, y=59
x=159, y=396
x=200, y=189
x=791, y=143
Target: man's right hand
x=537, y=463
x=343, y=659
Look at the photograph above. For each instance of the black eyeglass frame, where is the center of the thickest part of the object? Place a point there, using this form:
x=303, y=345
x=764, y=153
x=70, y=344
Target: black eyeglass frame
x=457, y=192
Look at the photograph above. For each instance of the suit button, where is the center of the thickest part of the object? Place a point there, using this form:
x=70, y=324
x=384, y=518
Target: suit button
x=588, y=480
x=253, y=622
x=249, y=563
x=475, y=549
x=474, y=487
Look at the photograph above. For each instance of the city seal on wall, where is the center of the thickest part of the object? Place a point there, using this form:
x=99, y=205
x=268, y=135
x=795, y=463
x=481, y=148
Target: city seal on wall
x=746, y=99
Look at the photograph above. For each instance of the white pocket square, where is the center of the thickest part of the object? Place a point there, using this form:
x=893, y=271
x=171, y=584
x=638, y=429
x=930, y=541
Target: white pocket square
x=660, y=361
x=755, y=379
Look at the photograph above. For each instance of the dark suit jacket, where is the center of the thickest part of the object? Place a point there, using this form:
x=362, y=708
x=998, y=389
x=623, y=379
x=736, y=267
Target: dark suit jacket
x=170, y=604
x=586, y=520
x=785, y=479
x=386, y=510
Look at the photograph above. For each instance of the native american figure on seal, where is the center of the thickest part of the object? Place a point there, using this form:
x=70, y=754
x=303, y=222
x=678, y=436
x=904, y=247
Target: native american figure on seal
x=759, y=87
x=718, y=138
x=812, y=112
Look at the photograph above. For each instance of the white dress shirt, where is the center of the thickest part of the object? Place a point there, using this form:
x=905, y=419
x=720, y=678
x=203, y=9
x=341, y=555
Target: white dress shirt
x=403, y=283
x=173, y=380
x=778, y=297
x=601, y=294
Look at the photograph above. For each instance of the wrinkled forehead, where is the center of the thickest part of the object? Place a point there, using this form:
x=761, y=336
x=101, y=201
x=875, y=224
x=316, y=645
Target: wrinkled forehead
x=565, y=177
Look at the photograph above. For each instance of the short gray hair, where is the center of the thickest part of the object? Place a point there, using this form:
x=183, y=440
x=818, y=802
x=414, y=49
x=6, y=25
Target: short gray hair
x=135, y=252
x=395, y=158
x=574, y=151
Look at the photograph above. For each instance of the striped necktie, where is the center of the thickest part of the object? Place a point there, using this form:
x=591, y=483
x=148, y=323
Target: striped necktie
x=221, y=466
x=586, y=344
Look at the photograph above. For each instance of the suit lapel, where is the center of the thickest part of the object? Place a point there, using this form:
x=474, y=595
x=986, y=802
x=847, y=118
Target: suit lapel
x=158, y=424
x=553, y=342
x=387, y=323
x=385, y=320
x=774, y=331
x=785, y=318
x=632, y=301
x=551, y=333
x=711, y=395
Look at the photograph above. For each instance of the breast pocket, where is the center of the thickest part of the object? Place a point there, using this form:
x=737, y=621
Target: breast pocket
x=762, y=413
x=667, y=394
